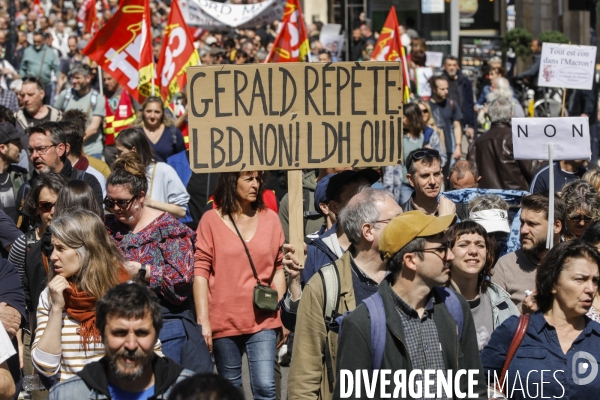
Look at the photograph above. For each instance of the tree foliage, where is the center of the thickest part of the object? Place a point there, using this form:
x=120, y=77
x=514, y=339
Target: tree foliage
x=519, y=40
x=553, y=37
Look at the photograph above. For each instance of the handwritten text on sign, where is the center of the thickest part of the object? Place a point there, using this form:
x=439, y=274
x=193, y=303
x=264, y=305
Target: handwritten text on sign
x=570, y=138
x=567, y=66
x=294, y=116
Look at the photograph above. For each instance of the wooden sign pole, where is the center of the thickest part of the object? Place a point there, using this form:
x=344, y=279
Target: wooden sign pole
x=296, y=213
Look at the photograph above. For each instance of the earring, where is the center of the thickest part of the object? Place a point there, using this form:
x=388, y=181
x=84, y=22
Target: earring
x=136, y=207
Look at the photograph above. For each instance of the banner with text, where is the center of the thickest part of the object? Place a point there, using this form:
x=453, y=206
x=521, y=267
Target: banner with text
x=567, y=66
x=570, y=138
x=295, y=116
x=213, y=15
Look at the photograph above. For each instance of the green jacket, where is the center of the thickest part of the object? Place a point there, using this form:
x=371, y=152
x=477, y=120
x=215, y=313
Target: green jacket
x=308, y=372
x=354, y=349
x=39, y=63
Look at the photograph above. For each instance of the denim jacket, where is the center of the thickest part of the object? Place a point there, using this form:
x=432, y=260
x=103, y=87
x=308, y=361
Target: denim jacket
x=540, y=363
x=502, y=306
x=91, y=383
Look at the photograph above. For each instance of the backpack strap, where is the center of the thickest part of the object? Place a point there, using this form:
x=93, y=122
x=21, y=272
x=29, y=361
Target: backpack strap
x=453, y=305
x=30, y=240
x=68, y=96
x=378, y=329
x=331, y=289
x=330, y=277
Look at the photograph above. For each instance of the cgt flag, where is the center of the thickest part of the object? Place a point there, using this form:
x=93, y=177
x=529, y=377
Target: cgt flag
x=291, y=43
x=389, y=47
x=124, y=50
x=176, y=55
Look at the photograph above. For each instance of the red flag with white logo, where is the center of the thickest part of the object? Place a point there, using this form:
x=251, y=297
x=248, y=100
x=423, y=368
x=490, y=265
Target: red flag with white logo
x=123, y=48
x=176, y=55
x=291, y=43
x=389, y=47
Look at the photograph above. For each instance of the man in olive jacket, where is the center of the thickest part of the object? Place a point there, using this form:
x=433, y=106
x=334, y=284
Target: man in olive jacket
x=421, y=333
x=358, y=272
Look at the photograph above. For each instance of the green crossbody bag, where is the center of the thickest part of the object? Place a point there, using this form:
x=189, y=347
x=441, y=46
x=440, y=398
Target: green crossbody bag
x=265, y=298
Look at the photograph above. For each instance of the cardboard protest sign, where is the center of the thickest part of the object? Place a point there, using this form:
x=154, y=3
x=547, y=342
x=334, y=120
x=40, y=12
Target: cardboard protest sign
x=295, y=116
x=567, y=66
x=570, y=138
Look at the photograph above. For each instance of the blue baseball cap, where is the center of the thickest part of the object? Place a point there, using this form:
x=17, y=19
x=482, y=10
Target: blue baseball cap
x=321, y=192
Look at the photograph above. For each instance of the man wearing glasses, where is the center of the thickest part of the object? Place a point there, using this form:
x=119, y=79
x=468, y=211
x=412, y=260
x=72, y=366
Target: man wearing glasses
x=420, y=331
x=48, y=153
x=357, y=274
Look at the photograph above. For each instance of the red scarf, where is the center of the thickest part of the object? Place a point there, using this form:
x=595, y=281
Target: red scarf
x=82, y=308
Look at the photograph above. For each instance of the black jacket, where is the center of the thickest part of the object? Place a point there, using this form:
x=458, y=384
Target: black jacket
x=466, y=100
x=92, y=381
x=354, y=350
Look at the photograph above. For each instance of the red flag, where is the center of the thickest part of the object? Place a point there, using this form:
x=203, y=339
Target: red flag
x=87, y=15
x=389, y=47
x=291, y=43
x=176, y=55
x=37, y=7
x=123, y=48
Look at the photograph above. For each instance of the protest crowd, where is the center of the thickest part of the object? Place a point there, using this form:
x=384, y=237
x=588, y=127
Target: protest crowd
x=125, y=273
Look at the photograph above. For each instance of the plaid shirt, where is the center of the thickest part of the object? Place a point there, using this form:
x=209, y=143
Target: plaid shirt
x=9, y=100
x=422, y=341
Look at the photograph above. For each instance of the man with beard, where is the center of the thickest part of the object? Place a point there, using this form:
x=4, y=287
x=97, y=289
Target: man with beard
x=129, y=319
x=515, y=272
x=83, y=97
x=40, y=61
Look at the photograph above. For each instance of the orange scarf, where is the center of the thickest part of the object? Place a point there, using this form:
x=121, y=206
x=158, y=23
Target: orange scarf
x=82, y=308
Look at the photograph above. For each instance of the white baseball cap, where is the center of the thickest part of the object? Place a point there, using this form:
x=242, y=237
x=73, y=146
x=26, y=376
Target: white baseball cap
x=493, y=220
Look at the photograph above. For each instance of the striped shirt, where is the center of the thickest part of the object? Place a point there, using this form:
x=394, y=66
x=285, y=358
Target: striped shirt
x=72, y=358
x=17, y=254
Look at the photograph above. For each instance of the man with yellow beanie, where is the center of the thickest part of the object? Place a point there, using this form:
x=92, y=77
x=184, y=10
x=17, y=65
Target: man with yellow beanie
x=421, y=331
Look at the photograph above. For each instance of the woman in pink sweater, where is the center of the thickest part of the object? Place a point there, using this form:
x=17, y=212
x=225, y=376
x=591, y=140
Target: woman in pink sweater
x=224, y=280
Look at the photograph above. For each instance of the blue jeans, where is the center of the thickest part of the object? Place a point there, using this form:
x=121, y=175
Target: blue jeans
x=260, y=349
x=172, y=337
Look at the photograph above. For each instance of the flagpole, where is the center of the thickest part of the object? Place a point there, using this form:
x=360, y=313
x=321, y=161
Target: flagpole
x=100, y=82
x=152, y=77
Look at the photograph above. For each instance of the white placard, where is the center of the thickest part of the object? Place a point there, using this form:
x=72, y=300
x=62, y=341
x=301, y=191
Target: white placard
x=432, y=6
x=567, y=66
x=213, y=15
x=423, y=75
x=570, y=138
x=434, y=59
x=333, y=43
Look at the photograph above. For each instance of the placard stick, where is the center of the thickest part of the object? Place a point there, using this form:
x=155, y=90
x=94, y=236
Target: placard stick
x=550, y=237
x=296, y=216
x=101, y=83
x=562, y=111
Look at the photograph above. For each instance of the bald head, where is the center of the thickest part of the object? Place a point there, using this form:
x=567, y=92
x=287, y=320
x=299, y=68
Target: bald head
x=463, y=175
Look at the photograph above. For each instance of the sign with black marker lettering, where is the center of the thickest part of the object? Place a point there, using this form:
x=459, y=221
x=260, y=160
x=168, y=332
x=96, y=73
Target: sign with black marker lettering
x=570, y=138
x=294, y=115
x=567, y=66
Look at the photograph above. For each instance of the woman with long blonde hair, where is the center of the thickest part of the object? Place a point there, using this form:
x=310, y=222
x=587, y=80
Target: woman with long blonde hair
x=85, y=264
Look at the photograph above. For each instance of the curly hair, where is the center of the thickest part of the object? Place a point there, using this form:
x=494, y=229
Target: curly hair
x=225, y=197
x=470, y=227
x=581, y=194
x=553, y=264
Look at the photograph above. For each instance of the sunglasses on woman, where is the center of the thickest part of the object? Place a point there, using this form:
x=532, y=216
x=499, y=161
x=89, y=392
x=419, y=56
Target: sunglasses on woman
x=123, y=204
x=45, y=206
